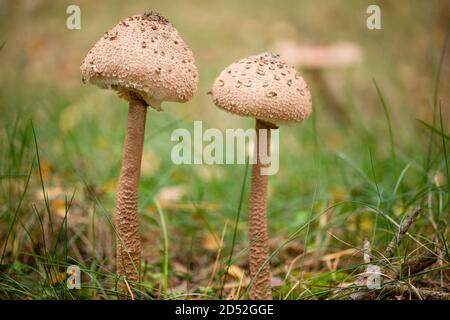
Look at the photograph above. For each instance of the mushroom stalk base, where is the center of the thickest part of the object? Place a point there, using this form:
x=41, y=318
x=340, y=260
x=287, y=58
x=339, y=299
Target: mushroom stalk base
x=258, y=235
x=128, y=244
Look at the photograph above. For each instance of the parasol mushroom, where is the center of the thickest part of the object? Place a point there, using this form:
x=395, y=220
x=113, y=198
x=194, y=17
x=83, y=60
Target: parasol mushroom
x=267, y=89
x=146, y=61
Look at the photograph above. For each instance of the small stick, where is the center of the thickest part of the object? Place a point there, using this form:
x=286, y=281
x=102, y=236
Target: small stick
x=414, y=265
x=389, y=290
x=426, y=294
x=403, y=229
x=129, y=289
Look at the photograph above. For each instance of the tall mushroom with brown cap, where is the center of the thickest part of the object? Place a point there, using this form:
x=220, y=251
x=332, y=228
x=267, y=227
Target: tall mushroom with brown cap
x=267, y=89
x=147, y=62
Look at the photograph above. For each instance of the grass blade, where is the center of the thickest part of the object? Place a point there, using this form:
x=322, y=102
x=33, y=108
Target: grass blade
x=16, y=213
x=44, y=193
x=441, y=63
x=389, y=123
x=238, y=215
x=433, y=129
x=435, y=97
x=165, y=246
x=444, y=147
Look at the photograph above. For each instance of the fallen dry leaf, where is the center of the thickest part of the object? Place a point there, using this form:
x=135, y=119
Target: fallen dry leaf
x=211, y=242
x=46, y=168
x=58, y=206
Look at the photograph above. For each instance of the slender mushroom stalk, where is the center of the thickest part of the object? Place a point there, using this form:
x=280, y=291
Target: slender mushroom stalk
x=147, y=62
x=258, y=234
x=128, y=248
x=265, y=88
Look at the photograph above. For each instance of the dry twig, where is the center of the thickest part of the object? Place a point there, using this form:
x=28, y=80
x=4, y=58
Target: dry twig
x=403, y=229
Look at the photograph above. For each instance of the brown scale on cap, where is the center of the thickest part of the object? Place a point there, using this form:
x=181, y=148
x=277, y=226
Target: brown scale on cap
x=143, y=54
x=263, y=87
x=155, y=16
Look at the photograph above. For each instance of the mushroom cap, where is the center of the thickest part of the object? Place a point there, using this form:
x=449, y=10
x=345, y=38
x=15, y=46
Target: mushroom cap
x=143, y=57
x=318, y=56
x=263, y=87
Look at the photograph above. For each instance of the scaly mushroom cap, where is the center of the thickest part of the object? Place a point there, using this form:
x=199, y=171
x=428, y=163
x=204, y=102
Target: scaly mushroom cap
x=143, y=56
x=263, y=87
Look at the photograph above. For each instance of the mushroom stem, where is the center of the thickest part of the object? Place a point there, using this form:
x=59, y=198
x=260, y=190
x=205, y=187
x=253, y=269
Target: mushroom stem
x=128, y=243
x=258, y=235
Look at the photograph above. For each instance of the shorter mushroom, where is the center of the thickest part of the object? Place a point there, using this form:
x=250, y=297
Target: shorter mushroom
x=271, y=91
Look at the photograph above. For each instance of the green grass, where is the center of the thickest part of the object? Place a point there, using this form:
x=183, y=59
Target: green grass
x=165, y=266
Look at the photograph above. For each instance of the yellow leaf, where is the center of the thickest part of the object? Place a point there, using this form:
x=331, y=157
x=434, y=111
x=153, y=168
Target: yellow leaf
x=59, y=207
x=211, y=243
